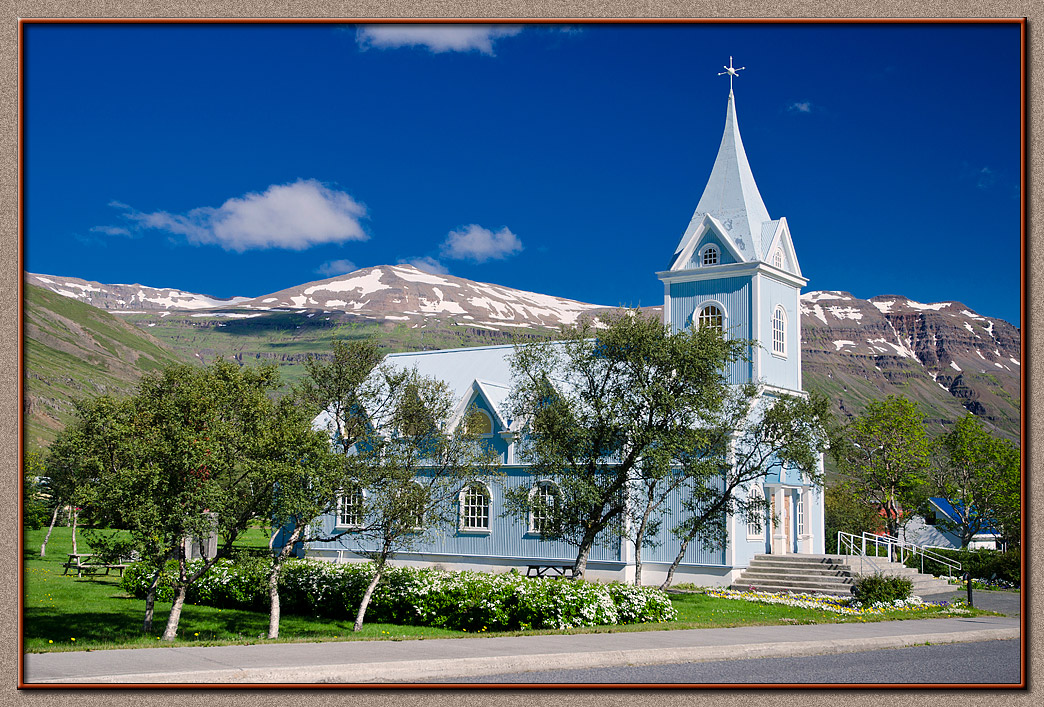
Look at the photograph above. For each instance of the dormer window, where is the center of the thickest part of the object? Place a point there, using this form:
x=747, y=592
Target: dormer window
x=710, y=255
x=777, y=259
x=480, y=423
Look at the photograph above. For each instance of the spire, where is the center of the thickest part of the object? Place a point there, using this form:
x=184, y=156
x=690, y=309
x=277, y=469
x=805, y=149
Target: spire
x=731, y=195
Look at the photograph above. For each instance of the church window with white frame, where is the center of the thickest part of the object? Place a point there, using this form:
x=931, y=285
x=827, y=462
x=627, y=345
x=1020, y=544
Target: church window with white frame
x=474, y=507
x=777, y=258
x=779, y=331
x=350, y=507
x=800, y=515
x=755, y=513
x=480, y=423
x=543, y=502
x=711, y=316
x=710, y=255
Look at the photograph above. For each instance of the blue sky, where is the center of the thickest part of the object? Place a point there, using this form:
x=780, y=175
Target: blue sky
x=244, y=159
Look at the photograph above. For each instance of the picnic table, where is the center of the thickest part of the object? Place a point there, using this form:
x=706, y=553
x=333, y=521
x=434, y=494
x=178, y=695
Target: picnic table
x=555, y=569
x=81, y=562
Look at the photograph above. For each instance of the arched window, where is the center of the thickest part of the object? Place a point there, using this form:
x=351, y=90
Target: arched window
x=479, y=422
x=415, y=504
x=711, y=316
x=710, y=255
x=543, y=501
x=350, y=507
x=779, y=332
x=777, y=258
x=755, y=513
x=474, y=507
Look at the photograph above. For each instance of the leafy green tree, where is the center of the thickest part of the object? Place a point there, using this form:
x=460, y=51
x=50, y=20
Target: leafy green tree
x=979, y=476
x=756, y=434
x=609, y=409
x=34, y=506
x=848, y=513
x=404, y=460
x=183, y=449
x=884, y=455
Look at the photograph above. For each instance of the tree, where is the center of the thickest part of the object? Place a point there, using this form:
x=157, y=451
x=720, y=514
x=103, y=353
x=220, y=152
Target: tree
x=884, y=454
x=184, y=448
x=608, y=407
x=976, y=473
x=405, y=460
x=845, y=512
x=34, y=507
x=755, y=435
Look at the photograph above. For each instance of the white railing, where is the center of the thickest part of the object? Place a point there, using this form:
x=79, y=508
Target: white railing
x=893, y=549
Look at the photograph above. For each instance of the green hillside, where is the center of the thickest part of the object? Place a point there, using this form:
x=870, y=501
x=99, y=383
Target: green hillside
x=73, y=350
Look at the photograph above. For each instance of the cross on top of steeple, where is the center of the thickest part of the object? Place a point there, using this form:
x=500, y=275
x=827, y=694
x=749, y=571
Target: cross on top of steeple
x=733, y=73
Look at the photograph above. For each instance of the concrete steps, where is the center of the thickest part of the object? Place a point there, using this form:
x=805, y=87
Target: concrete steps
x=825, y=574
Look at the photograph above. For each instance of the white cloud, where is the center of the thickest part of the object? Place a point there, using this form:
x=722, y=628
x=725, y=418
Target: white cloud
x=436, y=38
x=986, y=178
x=292, y=216
x=427, y=264
x=473, y=242
x=111, y=230
x=336, y=267
x=800, y=107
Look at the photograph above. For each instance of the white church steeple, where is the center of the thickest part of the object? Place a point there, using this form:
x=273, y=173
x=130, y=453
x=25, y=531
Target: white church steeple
x=731, y=197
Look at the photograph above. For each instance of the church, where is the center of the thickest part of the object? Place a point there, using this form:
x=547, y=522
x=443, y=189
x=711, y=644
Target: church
x=735, y=268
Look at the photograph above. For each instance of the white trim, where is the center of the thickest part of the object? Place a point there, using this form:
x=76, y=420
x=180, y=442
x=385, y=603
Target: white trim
x=701, y=255
x=340, y=504
x=667, y=304
x=759, y=534
x=779, y=308
x=707, y=223
x=755, y=325
x=694, y=317
x=531, y=529
x=489, y=508
x=732, y=270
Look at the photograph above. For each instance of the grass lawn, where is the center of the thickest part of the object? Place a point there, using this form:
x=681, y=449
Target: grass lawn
x=63, y=612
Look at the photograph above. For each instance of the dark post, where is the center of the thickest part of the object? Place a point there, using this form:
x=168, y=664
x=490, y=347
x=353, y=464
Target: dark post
x=968, y=579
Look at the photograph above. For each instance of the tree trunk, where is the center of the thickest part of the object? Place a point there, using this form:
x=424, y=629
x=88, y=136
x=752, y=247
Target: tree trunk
x=74, y=517
x=150, y=601
x=677, y=561
x=584, y=552
x=273, y=583
x=171, y=631
x=54, y=519
x=366, y=596
x=638, y=564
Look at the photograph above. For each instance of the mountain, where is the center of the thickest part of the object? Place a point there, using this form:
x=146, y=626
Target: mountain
x=404, y=293
x=944, y=356
x=126, y=297
x=72, y=350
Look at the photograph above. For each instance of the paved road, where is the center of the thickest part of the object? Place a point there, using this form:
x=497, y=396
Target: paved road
x=434, y=659
x=988, y=662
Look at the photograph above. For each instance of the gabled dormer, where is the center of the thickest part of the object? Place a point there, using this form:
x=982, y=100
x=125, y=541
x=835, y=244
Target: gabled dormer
x=779, y=249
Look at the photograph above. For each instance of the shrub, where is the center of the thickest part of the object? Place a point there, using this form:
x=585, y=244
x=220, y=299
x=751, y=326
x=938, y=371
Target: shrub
x=870, y=589
x=471, y=601
x=988, y=566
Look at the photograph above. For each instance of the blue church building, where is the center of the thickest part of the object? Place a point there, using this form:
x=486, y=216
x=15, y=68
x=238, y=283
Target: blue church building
x=735, y=268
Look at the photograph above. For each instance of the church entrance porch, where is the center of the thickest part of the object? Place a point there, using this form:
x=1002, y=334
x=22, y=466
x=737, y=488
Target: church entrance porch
x=788, y=514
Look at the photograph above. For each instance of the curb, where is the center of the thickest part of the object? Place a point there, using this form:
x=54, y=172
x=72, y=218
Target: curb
x=426, y=670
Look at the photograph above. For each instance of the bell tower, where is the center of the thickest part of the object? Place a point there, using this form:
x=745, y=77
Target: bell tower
x=735, y=268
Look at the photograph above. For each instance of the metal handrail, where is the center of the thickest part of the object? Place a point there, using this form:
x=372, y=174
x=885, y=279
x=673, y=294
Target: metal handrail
x=901, y=550
x=856, y=548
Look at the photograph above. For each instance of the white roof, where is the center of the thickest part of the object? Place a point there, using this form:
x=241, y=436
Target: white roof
x=731, y=196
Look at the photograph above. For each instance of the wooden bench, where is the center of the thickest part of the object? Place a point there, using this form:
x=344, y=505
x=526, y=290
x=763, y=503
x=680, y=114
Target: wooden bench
x=553, y=570
x=81, y=563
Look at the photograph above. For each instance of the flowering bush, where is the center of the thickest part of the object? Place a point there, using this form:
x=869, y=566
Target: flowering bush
x=835, y=604
x=471, y=601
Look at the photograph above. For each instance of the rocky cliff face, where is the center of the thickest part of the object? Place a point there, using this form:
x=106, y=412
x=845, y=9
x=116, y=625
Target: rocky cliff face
x=944, y=356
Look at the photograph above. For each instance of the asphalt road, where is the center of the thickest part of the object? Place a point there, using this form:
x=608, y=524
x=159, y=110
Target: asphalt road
x=992, y=662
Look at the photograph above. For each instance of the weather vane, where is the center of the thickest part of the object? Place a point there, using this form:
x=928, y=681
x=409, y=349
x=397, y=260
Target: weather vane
x=731, y=72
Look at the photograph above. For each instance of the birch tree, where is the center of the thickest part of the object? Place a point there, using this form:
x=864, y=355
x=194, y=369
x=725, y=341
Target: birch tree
x=605, y=406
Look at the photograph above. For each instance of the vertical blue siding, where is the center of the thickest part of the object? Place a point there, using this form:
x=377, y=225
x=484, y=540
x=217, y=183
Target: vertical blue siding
x=734, y=294
x=782, y=372
x=508, y=537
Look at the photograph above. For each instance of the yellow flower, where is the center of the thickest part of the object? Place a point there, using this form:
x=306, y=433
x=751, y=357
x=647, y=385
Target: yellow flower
x=196, y=633
x=72, y=639
x=50, y=641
